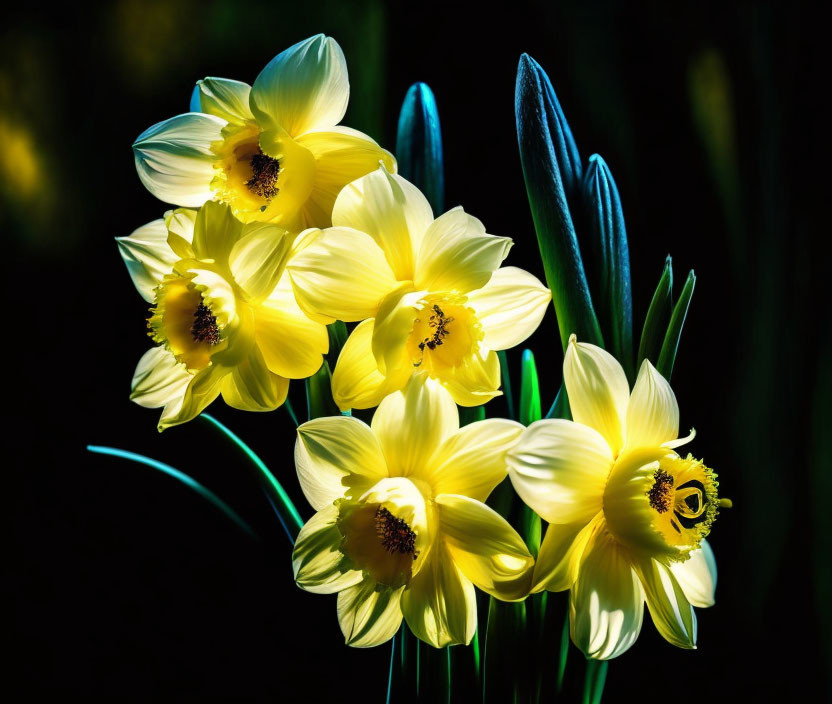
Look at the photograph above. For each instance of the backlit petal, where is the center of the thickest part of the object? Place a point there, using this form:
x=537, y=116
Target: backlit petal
x=697, y=576
x=216, y=231
x=252, y=387
x=158, y=379
x=559, y=557
x=258, y=258
x=653, y=414
x=317, y=560
x=369, y=617
x=225, y=98
x=148, y=256
x=671, y=611
x=476, y=380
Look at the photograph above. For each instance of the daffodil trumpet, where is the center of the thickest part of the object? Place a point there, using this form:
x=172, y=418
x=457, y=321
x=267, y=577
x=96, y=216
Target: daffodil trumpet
x=223, y=315
x=430, y=293
x=401, y=529
x=627, y=515
x=273, y=152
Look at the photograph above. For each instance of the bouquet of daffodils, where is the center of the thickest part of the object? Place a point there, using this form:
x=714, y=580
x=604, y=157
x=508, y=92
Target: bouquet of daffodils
x=299, y=249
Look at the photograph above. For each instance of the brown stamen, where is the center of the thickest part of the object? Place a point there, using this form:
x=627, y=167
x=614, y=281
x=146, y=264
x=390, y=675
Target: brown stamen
x=394, y=533
x=204, y=328
x=437, y=321
x=264, y=172
x=661, y=493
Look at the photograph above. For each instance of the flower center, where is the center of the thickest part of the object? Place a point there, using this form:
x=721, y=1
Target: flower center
x=394, y=533
x=264, y=172
x=445, y=332
x=204, y=328
x=661, y=494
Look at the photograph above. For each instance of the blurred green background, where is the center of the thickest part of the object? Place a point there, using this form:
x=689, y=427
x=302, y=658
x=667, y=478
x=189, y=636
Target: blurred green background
x=710, y=117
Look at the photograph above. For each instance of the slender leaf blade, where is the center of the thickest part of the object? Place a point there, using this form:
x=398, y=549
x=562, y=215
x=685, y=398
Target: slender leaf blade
x=658, y=315
x=419, y=145
x=667, y=357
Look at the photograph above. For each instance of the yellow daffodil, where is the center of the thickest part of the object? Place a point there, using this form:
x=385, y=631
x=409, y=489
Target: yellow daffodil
x=627, y=515
x=430, y=292
x=224, y=315
x=401, y=528
x=273, y=151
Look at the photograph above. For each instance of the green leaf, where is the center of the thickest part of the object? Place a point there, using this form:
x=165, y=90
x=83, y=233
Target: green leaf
x=544, y=142
x=506, y=669
x=505, y=374
x=655, y=324
x=674, y=331
x=529, y=390
x=338, y=334
x=419, y=145
x=560, y=406
x=176, y=474
x=319, y=400
x=283, y=505
x=608, y=235
x=596, y=677
x=472, y=414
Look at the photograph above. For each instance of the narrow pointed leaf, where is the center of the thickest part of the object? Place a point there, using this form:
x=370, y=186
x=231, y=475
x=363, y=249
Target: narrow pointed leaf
x=319, y=400
x=505, y=375
x=280, y=499
x=506, y=676
x=472, y=414
x=674, y=331
x=658, y=316
x=419, y=145
x=338, y=334
x=529, y=391
x=596, y=677
x=541, y=134
x=608, y=236
x=176, y=474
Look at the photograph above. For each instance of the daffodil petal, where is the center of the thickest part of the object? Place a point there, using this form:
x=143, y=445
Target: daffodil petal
x=476, y=380
x=393, y=325
x=697, y=576
x=202, y=390
x=342, y=274
x=509, y=307
x=180, y=224
x=252, y=387
x=485, y=547
x=440, y=605
x=148, y=256
x=292, y=344
x=606, y=603
x=357, y=381
x=369, y=617
x=472, y=461
x=598, y=390
x=317, y=561
x=389, y=209
x=559, y=557
x=303, y=88
x=158, y=379
x=559, y=468
x=336, y=457
x=457, y=255
x=411, y=424
x=653, y=413
x=225, y=98
x=341, y=156
x=174, y=158
x=216, y=231
x=258, y=258
x=671, y=611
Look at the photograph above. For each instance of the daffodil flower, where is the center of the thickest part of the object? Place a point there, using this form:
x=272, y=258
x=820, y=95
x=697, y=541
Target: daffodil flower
x=627, y=516
x=401, y=529
x=273, y=151
x=430, y=293
x=224, y=316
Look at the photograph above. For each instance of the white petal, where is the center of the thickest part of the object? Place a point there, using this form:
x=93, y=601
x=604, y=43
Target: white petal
x=653, y=414
x=148, y=256
x=225, y=98
x=509, y=307
x=335, y=457
x=559, y=468
x=158, y=379
x=174, y=158
x=697, y=576
x=303, y=88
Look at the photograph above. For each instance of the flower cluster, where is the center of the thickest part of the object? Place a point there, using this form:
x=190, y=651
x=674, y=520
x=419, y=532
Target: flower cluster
x=286, y=222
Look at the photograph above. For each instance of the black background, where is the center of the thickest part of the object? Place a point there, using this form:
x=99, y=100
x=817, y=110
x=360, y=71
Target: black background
x=121, y=582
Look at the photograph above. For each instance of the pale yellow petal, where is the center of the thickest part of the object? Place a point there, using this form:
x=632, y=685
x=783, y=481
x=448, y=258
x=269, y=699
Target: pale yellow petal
x=671, y=611
x=476, y=380
x=202, y=390
x=216, y=231
x=389, y=209
x=509, y=307
x=317, y=561
x=159, y=379
x=393, y=325
x=440, y=606
x=180, y=224
x=559, y=468
x=598, y=390
x=225, y=98
x=174, y=159
x=485, y=547
x=341, y=156
x=559, y=557
x=303, y=88
x=410, y=425
x=335, y=457
x=606, y=603
x=457, y=255
x=653, y=414
x=292, y=344
x=342, y=274
x=257, y=260
x=148, y=256
x=369, y=616
x=472, y=461
x=697, y=576
x=252, y=387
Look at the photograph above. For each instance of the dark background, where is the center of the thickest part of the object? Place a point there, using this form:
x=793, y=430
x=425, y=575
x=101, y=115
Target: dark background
x=121, y=582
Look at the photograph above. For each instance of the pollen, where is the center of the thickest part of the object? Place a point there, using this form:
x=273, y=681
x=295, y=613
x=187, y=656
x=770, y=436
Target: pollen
x=394, y=533
x=437, y=322
x=661, y=493
x=264, y=173
x=204, y=328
